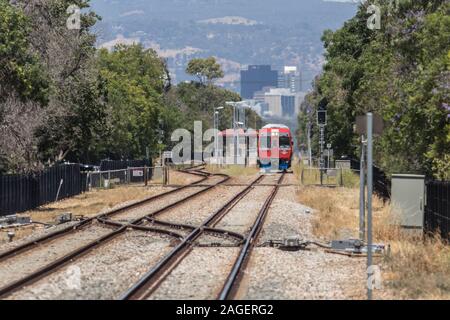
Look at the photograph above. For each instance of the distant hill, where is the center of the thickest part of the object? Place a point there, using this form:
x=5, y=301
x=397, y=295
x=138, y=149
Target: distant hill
x=276, y=32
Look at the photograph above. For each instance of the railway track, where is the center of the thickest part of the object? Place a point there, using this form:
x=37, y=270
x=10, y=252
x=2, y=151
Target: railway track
x=184, y=236
x=83, y=224
x=155, y=277
x=103, y=219
x=235, y=276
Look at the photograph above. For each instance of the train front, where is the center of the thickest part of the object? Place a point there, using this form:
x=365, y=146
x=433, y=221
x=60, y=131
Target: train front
x=275, y=148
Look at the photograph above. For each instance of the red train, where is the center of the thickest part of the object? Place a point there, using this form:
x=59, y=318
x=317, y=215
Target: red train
x=271, y=147
x=275, y=147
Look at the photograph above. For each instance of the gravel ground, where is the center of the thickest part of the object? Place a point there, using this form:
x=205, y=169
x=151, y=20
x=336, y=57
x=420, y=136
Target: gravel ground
x=200, y=276
x=241, y=218
x=105, y=273
x=37, y=233
x=196, y=211
x=183, y=232
x=154, y=205
x=290, y=178
x=276, y=274
x=182, y=177
x=18, y=266
x=287, y=218
x=215, y=239
x=162, y=202
x=244, y=179
x=270, y=178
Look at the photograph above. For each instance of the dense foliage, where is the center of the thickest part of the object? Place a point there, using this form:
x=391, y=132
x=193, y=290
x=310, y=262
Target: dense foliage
x=402, y=73
x=63, y=99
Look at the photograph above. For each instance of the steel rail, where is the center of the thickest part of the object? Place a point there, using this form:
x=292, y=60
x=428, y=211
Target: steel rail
x=232, y=283
x=153, y=278
x=82, y=224
x=191, y=227
x=70, y=257
x=55, y=265
x=144, y=228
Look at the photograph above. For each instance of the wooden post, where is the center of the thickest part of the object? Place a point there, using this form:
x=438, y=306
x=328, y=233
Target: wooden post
x=145, y=176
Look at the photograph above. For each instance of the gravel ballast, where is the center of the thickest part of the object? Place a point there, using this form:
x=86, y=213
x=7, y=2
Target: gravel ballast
x=242, y=216
x=162, y=202
x=200, y=276
x=275, y=274
x=23, y=264
x=197, y=210
x=105, y=273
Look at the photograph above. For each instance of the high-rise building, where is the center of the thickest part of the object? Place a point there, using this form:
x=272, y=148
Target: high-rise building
x=256, y=78
x=288, y=105
x=290, y=79
x=260, y=95
x=282, y=103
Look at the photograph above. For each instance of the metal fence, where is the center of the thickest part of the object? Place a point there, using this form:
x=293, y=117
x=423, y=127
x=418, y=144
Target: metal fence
x=437, y=208
x=110, y=178
x=381, y=182
x=109, y=165
x=20, y=193
x=324, y=177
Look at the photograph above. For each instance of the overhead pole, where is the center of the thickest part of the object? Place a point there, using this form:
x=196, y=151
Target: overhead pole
x=369, y=200
x=309, y=145
x=362, y=189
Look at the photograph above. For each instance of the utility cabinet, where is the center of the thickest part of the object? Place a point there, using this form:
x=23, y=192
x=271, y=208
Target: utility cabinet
x=408, y=199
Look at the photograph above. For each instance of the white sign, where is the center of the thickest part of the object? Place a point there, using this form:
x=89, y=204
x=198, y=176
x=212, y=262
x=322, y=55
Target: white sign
x=167, y=154
x=138, y=173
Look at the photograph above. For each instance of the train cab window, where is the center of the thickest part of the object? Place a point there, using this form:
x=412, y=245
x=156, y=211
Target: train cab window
x=285, y=141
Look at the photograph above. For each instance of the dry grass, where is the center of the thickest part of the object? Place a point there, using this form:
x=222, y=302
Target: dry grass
x=311, y=176
x=180, y=178
x=87, y=204
x=415, y=269
x=92, y=202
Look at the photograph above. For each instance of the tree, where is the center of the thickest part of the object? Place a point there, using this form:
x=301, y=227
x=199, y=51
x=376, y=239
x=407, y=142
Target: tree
x=135, y=82
x=207, y=70
x=400, y=72
x=20, y=71
x=73, y=121
x=24, y=91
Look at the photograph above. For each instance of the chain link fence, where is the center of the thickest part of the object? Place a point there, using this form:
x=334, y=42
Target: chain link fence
x=132, y=175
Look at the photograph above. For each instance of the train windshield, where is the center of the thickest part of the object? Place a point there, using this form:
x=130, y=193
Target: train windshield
x=285, y=141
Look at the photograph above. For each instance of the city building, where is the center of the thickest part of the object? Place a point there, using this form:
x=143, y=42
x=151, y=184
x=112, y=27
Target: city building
x=290, y=78
x=288, y=106
x=282, y=103
x=260, y=95
x=255, y=78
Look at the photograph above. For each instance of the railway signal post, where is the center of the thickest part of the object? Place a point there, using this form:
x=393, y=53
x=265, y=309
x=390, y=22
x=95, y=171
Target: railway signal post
x=322, y=123
x=368, y=125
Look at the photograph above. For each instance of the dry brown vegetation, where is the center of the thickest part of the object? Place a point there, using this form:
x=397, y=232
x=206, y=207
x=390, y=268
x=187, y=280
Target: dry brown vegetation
x=93, y=202
x=87, y=204
x=414, y=269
